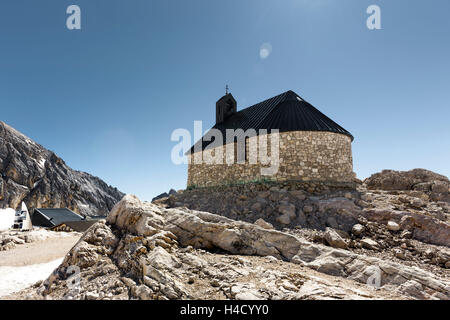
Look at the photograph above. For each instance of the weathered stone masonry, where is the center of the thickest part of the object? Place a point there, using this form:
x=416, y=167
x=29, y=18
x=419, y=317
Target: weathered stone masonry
x=304, y=156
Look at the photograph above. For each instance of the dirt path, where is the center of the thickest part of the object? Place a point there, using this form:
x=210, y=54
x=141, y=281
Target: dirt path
x=38, y=252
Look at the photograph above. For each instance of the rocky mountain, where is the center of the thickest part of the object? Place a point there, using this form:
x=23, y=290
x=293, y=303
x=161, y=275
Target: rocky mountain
x=33, y=174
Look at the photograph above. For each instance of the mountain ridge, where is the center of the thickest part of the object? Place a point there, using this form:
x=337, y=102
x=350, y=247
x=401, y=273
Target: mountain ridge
x=37, y=176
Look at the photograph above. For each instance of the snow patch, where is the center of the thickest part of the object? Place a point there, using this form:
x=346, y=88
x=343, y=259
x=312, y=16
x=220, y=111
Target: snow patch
x=13, y=279
x=41, y=163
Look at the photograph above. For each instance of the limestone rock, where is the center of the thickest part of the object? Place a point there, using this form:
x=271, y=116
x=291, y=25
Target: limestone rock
x=399, y=254
x=426, y=228
x=440, y=186
x=393, y=226
x=407, y=223
x=417, y=203
x=370, y=244
x=334, y=239
x=405, y=234
x=263, y=224
x=358, y=229
x=406, y=180
x=167, y=253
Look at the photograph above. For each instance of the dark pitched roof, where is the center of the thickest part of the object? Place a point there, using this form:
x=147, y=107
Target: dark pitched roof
x=285, y=112
x=56, y=216
x=80, y=226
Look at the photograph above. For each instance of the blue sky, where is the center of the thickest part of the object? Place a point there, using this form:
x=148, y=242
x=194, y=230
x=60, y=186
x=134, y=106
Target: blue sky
x=107, y=98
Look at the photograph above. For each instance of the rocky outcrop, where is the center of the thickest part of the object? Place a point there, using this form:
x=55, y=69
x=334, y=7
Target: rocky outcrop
x=424, y=228
x=37, y=176
x=414, y=212
x=149, y=252
x=416, y=179
x=427, y=219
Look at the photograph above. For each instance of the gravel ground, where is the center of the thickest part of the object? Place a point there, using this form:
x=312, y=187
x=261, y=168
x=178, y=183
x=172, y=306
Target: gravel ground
x=38, y=252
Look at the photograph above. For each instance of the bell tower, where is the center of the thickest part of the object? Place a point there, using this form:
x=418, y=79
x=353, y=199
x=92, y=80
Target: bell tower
x=225, y=107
